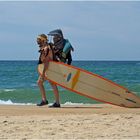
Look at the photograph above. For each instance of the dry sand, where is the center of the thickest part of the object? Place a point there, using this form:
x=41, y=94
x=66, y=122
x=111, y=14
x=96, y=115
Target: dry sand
x=69, y=122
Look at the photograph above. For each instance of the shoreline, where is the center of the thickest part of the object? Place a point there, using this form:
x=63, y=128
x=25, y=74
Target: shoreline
x=98, y=121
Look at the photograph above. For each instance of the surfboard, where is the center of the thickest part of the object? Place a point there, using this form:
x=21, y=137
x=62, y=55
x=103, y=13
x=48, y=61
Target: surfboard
x=89, y=85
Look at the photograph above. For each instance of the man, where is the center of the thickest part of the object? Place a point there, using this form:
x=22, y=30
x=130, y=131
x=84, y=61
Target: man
x=46, y=54
x=62, y=47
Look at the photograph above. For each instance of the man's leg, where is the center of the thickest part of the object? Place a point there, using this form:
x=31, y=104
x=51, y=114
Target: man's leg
x=56, y=92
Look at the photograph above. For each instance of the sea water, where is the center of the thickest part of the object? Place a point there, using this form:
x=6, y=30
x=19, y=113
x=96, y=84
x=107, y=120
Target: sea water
x=18, y=81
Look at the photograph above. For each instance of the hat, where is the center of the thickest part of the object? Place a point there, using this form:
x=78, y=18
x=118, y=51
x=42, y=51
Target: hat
x=43, y=37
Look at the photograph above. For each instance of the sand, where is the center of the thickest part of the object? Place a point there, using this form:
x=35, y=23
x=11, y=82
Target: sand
x=69, y=122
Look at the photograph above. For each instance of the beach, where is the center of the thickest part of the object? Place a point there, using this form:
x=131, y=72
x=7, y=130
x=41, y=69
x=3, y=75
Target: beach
x=78, y=118
x=98, y=121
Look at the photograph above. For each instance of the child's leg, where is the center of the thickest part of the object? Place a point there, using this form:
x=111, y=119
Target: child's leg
x=42, y=89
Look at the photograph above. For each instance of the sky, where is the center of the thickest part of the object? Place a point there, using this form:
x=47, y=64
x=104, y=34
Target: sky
x=98, y=30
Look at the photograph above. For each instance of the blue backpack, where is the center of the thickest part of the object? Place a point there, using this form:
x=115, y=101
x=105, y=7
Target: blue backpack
x=66, y=49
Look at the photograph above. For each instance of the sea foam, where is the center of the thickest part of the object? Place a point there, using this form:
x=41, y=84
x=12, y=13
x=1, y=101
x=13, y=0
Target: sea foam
x=9, y=102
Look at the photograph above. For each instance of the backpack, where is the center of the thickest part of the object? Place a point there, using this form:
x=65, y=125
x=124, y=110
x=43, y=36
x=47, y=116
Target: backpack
x=66, y=49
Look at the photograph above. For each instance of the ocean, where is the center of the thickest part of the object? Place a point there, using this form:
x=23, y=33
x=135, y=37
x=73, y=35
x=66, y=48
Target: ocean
x=18, y=81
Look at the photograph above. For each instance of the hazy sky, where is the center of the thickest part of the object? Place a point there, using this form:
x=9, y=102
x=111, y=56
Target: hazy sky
x=97, y=30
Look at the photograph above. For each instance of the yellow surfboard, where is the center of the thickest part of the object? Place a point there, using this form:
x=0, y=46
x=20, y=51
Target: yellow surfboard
x=89, y=84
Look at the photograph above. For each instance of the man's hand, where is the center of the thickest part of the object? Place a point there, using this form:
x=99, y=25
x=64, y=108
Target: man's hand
x=43, y=77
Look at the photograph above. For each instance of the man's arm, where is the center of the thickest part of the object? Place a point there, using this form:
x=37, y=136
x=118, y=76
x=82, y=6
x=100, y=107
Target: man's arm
x=45, y=61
